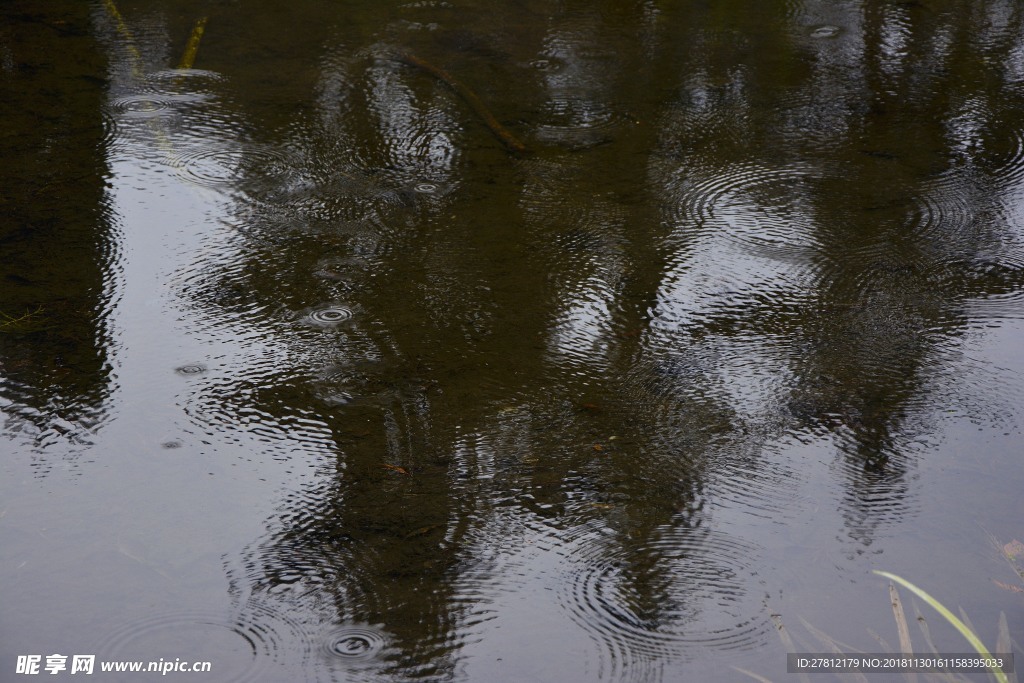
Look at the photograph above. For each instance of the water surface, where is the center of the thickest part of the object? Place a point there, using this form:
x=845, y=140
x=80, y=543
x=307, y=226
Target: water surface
x=546, y=341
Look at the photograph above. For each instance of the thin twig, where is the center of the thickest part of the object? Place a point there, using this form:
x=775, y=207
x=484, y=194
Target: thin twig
x=510, y=141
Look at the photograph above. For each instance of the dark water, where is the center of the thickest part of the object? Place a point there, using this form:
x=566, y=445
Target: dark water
x=529, y=341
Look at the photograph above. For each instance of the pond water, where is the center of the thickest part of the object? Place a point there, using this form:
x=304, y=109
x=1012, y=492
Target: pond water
x=528, y=341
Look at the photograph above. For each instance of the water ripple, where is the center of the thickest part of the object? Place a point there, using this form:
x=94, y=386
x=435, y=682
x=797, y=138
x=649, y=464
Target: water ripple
x=354, y=642
x=242, y=648
x=144, y=105
x=227, y=167
x=942, y=211
x=111, y=132
x=1009, y=164
x=763, y=483
x=329, y=316
x=186, y=81
x=580, y=123
x=825, y=31
x=678, y=589
x=765, y=210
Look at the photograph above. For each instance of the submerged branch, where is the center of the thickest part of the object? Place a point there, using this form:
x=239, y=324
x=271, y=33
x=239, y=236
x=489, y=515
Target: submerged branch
x=510, y=141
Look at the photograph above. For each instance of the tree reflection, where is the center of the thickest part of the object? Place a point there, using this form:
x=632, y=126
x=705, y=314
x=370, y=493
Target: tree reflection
x=740, y=225
x=53, y=346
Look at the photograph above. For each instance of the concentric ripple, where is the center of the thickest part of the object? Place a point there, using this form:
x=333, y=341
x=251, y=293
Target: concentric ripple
x=356, y=651
x=226, y=167
x=329, y=316
x=764, y=209
x=185, y=80
x=335, y=386
x=143, y=105
x=943, y=211
x=191, y=369
x=825, y=31
x=112, y=133
x=241, y=649
x=354, y=642
x=997, y=287
x=758, y=480
x=1009, y=160
x=678, y=589
x=546, y=65
x=580, y=122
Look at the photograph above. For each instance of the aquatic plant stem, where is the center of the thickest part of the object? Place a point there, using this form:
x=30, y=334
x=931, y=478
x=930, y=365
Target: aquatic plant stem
x=951, y=618
x=189, y=57
x=126, y=33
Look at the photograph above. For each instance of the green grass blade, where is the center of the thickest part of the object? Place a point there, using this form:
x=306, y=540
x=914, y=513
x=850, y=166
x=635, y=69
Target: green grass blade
x=951, y=618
